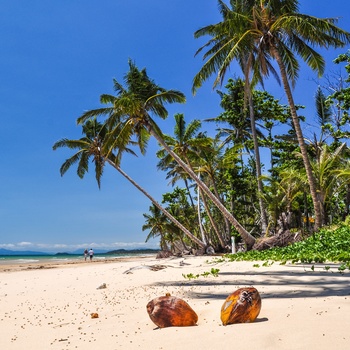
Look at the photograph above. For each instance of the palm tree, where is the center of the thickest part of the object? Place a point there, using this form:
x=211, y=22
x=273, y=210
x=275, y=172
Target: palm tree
x=170, y=235
x=157, y=225
x=87, y=147
x=211, y=162
x=186, y=140
x=282, y=193
x=326, y=167
x=273, y=29
x=129, y=115
x=248, y=99
x=223, y=34
x=189, y=144
x=92, y=146
x=192, y=237
x=183, y=143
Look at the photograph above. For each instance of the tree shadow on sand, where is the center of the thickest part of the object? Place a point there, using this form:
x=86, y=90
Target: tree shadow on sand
x=282, y=284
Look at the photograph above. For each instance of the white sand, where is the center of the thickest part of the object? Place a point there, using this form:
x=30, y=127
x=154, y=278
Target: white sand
x=50, y=308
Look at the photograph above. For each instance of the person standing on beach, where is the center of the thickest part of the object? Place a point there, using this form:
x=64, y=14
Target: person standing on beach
x=85, y=253
x=91, y=253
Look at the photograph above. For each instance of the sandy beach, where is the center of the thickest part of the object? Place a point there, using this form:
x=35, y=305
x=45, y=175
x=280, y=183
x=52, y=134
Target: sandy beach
x=50, y=306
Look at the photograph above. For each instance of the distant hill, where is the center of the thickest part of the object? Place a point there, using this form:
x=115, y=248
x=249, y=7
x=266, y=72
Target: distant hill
x=20, y=252
x=79, y=252
x=118, y=251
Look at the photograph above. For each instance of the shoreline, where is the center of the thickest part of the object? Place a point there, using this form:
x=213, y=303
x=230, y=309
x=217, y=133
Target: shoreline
x=43, y=263
x=51, y=307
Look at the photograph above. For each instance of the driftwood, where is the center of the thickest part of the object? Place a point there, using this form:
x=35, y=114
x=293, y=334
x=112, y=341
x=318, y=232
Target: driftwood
x=164, y=254
x=152, y=268
x=282, y=239
x=176, y=264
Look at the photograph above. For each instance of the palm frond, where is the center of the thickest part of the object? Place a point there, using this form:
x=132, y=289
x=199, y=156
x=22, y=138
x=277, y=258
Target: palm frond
x=70, y=161
x=83, y=166
x=72, y=144
x=95, y=113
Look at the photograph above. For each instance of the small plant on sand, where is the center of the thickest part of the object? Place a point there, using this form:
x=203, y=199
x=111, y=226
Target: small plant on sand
x=343, y=267
x=213, y=272
x=190, y=276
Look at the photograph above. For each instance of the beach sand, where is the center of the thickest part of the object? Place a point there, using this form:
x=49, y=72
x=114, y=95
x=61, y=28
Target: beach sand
x=50, y=306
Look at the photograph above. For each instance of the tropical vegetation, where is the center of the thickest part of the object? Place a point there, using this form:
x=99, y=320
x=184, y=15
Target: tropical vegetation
x=221, y=192
x=327, y=245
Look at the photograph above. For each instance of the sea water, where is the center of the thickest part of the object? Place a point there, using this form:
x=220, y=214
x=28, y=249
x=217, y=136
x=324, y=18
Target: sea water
x=30, y=259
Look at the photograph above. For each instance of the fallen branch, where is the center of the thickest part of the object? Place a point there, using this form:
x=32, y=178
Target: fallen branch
x=152, y=268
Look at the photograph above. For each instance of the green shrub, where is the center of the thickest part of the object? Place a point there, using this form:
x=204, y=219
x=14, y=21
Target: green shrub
x=323, y=246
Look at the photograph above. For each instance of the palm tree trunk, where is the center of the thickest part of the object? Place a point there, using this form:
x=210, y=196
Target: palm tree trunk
x=249, y=97
x=166, y=213
x=213, y=224
x=201, y=228
x=246, y=236
x=163, y=244
x=347, y=201
x=227, y=223
x=301, y=141
x=189, y=192
x=262, y=207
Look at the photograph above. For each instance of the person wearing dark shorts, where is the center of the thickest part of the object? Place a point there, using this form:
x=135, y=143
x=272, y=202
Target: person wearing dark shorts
x=91, y=254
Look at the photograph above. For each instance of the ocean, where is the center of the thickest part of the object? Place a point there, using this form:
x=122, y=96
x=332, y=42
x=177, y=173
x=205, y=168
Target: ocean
x=31, y=259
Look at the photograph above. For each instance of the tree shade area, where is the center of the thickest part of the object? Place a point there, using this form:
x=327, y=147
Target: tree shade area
x=224, y=195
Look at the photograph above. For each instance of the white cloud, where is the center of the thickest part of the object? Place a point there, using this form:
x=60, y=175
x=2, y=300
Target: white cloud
x=7, y=246
x=60, y=247
x=25, y=244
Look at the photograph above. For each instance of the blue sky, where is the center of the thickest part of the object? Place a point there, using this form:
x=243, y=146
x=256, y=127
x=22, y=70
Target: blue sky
x=56, y=59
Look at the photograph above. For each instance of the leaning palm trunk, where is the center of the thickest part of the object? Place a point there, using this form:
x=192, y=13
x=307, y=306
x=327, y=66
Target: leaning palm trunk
x=166, y=213
x=213, y=223
x=301, y=142
x=227, y=222
x=246, y=236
